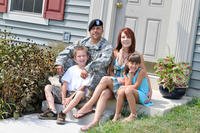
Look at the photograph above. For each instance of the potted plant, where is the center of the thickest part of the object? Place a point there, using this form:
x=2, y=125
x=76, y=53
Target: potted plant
x=173, y=77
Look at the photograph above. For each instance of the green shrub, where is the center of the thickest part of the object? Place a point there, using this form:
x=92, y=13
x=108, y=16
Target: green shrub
x=5, y=109
x=24, y=71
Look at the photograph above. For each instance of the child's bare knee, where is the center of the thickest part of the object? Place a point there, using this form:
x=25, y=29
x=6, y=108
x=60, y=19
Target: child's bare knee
x=128, y=91
x=80, y=93
x=105, y=79
x=121, y=92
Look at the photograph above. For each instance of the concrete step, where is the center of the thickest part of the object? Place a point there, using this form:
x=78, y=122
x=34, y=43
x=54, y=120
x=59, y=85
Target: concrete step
x=160, y=106
x=108, y=113
x=154, y=81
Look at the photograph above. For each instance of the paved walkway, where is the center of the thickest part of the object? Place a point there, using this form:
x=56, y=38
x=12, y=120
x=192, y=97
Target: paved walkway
x=31, y=123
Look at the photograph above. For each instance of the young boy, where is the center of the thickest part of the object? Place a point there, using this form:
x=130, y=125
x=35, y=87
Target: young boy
x=74, y=83
x=72, y=90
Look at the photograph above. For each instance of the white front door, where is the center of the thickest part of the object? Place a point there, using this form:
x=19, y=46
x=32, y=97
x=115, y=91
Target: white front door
x=149, y=19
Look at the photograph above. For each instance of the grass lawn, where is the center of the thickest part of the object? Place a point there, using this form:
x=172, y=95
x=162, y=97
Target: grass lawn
x=182, y=119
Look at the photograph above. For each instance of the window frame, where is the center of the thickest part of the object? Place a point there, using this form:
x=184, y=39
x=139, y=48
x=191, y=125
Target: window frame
x=25, y=16
x=23, y=6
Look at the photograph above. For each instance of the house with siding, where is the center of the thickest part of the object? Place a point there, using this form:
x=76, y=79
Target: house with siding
x=162, y=27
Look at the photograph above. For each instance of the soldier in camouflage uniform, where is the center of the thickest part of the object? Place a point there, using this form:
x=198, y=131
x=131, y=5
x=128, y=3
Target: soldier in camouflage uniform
x=100, y=52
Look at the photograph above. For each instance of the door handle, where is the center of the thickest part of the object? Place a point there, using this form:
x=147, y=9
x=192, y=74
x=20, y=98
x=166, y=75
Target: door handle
x=119, y=4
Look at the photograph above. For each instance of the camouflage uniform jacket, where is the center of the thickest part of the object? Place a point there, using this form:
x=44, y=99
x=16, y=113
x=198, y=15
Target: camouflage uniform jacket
x=100, y=57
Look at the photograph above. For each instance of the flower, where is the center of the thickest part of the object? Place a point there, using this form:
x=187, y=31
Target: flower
x=172, y=74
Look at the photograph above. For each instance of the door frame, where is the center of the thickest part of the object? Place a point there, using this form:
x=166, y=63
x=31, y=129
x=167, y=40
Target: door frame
x=106, y=11
x=182, y=28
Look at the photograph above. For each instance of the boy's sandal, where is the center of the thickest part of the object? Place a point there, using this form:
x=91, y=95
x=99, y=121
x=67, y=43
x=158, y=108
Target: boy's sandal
x=80, y=115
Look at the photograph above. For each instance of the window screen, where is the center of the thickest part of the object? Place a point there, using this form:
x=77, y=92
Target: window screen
x=33, y=6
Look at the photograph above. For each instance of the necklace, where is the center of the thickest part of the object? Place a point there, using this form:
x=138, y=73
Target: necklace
x=125, y=57
x=122, y=59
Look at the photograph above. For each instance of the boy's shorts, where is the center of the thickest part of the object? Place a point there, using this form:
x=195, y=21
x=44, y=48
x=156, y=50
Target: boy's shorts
x=56, y=91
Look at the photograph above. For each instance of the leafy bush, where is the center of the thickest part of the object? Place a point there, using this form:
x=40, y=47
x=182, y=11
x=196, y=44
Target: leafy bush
x=172, y=74
x=5, y=109
x=24, y=71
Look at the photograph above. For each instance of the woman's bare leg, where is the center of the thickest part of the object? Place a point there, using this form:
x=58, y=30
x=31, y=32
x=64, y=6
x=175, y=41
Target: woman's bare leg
x=132, y=97
x=101, y=105
x=78, y=96
x=105, y=83
x=119, y=104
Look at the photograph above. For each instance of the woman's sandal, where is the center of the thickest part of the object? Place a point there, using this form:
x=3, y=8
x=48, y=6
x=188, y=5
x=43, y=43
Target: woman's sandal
x=80, y=115
x=130, y=118
x=116, y=118
x=87, y=127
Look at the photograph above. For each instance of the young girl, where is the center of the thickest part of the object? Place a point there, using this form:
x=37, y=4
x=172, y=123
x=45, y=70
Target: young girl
x=109, y=84
x=135, y=90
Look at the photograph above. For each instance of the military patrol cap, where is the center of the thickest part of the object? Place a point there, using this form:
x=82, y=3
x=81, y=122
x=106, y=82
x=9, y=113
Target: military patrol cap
x=95, y=22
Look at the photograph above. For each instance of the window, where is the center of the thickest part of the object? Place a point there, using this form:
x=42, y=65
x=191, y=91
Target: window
x=33, y=11
x=29, y=11
x=32, y=6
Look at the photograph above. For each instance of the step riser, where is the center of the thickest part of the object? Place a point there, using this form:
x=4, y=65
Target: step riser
x=154, y=82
